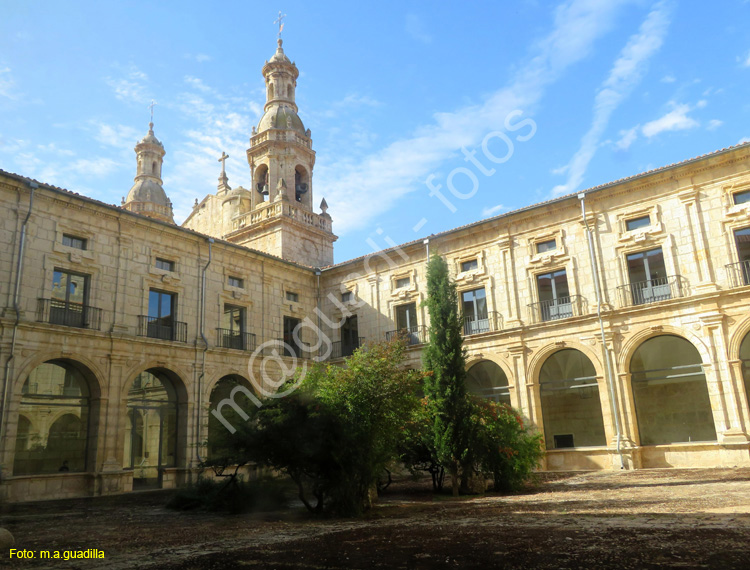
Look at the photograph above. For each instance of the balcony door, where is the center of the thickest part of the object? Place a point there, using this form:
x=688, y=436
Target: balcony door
x=162, y=307
x=406, y=322
x=742, y=239
x=648, y=277
x=349, y=336
x=554, y=295
x=233, y=327
x=292, y=342
x=475, y=311
x=69, y=297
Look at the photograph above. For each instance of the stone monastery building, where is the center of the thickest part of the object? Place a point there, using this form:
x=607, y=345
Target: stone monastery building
x=617, y=320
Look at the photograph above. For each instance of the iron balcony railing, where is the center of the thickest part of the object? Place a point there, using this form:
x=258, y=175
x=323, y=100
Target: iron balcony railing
x=554, y=309
x=68, y=314
x=652, y=291
x=226, y=338
x=477, y=324
x=739, y=273
x=341, y=349
x=413, y=335
x=163, y=328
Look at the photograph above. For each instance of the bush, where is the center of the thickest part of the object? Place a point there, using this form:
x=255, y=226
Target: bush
x=233, y=496
x=502, y=448
x=339, y=430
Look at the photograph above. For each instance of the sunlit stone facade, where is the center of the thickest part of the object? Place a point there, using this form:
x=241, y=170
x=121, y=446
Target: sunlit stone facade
x=620, y=329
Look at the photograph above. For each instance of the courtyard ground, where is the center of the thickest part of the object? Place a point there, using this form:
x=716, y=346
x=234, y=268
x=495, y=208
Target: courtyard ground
x=640, y=519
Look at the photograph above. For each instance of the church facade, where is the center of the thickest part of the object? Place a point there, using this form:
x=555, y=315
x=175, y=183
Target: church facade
x=616, y=320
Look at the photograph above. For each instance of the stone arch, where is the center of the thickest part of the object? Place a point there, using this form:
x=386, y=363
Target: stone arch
x=155, y=431
x=737, y=336
x=634, y=340
x=302, y=185
x=262, y=182
x=670, y=393
x=486, y=379
x=53, y=390
x=539, y=357
x=90, y=369
x=570, y=400
x=221, y=390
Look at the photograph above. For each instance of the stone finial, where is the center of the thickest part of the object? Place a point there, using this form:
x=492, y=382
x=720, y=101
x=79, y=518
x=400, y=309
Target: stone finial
x=196, y=203
x=324, y=206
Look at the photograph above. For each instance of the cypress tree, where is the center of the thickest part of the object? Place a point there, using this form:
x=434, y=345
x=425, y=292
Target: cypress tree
x=445, y=361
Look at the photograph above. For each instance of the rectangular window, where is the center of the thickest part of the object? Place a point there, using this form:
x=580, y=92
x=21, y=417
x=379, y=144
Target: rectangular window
x=162, y=307
x=293, y=345
x=648, y=277
x=346, y=296
x=406, y=322
x=554, y=296
x=349, y=336
x=637, y=223
x=236, y=282
x=403, y=282
x=475, y=311
x=549, y=245
x=742, y=239
x=293, y=297
x=741, y=197
x=73, y=241
x=233, y=327
x=164, y=264
x=469, y=265
x=68, y=299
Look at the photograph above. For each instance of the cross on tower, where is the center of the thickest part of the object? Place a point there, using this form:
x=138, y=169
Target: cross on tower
x=223, y=161
x=280, y=22
x=151, y=106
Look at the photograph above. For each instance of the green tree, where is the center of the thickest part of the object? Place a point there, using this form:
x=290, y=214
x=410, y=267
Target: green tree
x=445, y=382
x=335, y=435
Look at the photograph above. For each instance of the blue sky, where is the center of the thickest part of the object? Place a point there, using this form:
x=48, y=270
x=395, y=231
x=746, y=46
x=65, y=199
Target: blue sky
x=400, y=96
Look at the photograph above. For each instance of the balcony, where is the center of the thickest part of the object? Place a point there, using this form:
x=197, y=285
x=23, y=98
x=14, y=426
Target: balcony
x=490, y=322
x=413, y=335
x=651, y=291
x=237, y=340
x=739, y=273
x=68, y=314
x=163, y=328
x=339, y=350
x=555, y=309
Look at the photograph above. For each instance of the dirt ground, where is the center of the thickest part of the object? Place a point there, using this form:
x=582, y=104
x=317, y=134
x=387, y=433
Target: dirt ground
x=643, y=519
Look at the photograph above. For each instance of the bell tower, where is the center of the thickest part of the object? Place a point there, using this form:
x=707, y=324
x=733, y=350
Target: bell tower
x=281, y=219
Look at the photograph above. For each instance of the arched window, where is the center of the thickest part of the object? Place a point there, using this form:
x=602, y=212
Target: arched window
x=153, y=168
x=670, y=392
x=270, y=90
x=571, y=409
x=261, y=182
x=151, y=433
x=53, y=422
x=487, y=380
x=301, y=184
x=222, y=392
x=745, y=358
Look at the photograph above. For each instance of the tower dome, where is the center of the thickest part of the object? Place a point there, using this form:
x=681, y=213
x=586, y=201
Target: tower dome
x=147, y=196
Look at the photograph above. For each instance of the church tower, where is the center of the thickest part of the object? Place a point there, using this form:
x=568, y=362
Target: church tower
x=147, y=197
x=276, y=215
x=281, y=159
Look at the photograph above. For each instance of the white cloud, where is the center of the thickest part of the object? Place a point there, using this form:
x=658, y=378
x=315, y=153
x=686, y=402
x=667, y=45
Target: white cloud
x=627, y=138
x=714, y=124
x=668, y=79
x=743, y=140
x=487, y=212
x=675, y=120
x=560, y=170
x=118, y=136
x=7, y=84
x=97, y=167
x=745, y=60
x=626, y=72
x=197, y=84
x=402, y=166
x=415, y=28
x=130, y=85
x=202, y=57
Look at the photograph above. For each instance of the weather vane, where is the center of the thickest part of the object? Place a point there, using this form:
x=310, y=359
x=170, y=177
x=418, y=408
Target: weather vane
x=280, y=22
x=151, y=106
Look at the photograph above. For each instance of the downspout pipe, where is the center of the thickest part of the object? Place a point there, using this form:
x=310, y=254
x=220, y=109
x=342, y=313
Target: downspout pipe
x=17, y=310
x=317, y=305
x=607, y=364
x=199, y=398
